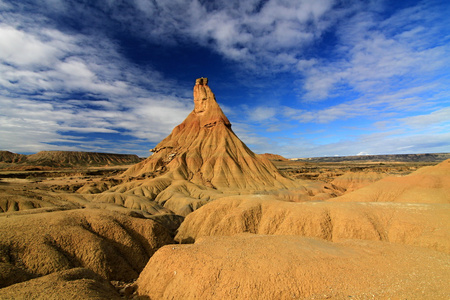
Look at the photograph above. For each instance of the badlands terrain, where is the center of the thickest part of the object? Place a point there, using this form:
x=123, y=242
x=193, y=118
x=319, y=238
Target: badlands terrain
x=204, y=217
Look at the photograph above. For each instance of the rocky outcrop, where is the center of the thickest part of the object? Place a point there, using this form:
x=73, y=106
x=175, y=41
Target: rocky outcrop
x=351, y=181
x=57, y=159
x=424, y=225
x=77, y=283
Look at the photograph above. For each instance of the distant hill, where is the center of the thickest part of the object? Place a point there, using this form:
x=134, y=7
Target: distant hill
x=10, y=157
x=275, y=157
x=426, y=157
x=69, y=158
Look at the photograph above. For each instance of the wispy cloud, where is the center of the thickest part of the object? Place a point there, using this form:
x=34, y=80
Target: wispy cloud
x=44, y=70
x=375, y=55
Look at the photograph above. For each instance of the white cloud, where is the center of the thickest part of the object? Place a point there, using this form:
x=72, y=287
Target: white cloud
x=373, y=58
x=435, y=118
x=20, y=48
x=43, y=67
x=260, y=113
x=245, y=31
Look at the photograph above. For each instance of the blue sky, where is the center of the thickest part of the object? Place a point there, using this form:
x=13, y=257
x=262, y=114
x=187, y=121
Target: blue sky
x=297, y=78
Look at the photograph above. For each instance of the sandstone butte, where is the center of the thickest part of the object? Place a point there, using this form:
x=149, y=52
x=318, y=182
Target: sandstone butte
x=205, y=151
x=248, y=233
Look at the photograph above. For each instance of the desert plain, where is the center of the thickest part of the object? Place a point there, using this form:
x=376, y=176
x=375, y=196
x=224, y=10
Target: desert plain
x=204, y=217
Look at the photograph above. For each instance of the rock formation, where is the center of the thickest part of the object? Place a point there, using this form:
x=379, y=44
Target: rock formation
x=204, y=150
x=352, y=181
x=201, y=160
x=57, y=159
x=273, y=157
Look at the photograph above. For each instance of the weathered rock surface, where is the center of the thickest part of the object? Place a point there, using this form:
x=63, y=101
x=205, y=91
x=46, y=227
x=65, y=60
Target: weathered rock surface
x=77, y=283
x=204, y=150
x=113, y=245
x=293, y=267
x=425, y=225
x=10, y=157
x=274, y=157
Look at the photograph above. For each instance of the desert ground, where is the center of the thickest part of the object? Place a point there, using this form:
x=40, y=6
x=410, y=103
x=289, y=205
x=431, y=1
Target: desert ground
x=204, y=217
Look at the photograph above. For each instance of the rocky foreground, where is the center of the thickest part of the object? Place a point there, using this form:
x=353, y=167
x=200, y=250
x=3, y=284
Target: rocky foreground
x=206, y=218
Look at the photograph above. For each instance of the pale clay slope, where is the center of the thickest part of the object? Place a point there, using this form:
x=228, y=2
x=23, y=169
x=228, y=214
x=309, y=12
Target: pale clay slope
x=293, y=267
x=426, y=185
x=423, y=225
x=352, y=181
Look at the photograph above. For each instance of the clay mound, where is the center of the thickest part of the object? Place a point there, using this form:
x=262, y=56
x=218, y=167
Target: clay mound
x=74, y=284
x=274, y=157
x=10, y=157
x=423, y=225
x=351, y=181
x=426, y=185
x=179, y=196
x=287, y=267
x=9, y=203
x=135, y=202
x=15, y=198
x=77, y=158
x=113, y=245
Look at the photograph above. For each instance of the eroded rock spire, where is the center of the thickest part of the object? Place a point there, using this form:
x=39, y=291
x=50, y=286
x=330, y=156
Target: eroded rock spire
x=205, y=105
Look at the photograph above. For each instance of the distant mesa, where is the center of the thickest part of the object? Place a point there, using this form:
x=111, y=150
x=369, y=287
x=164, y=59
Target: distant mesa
x=421, y=157
x=69, y=158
